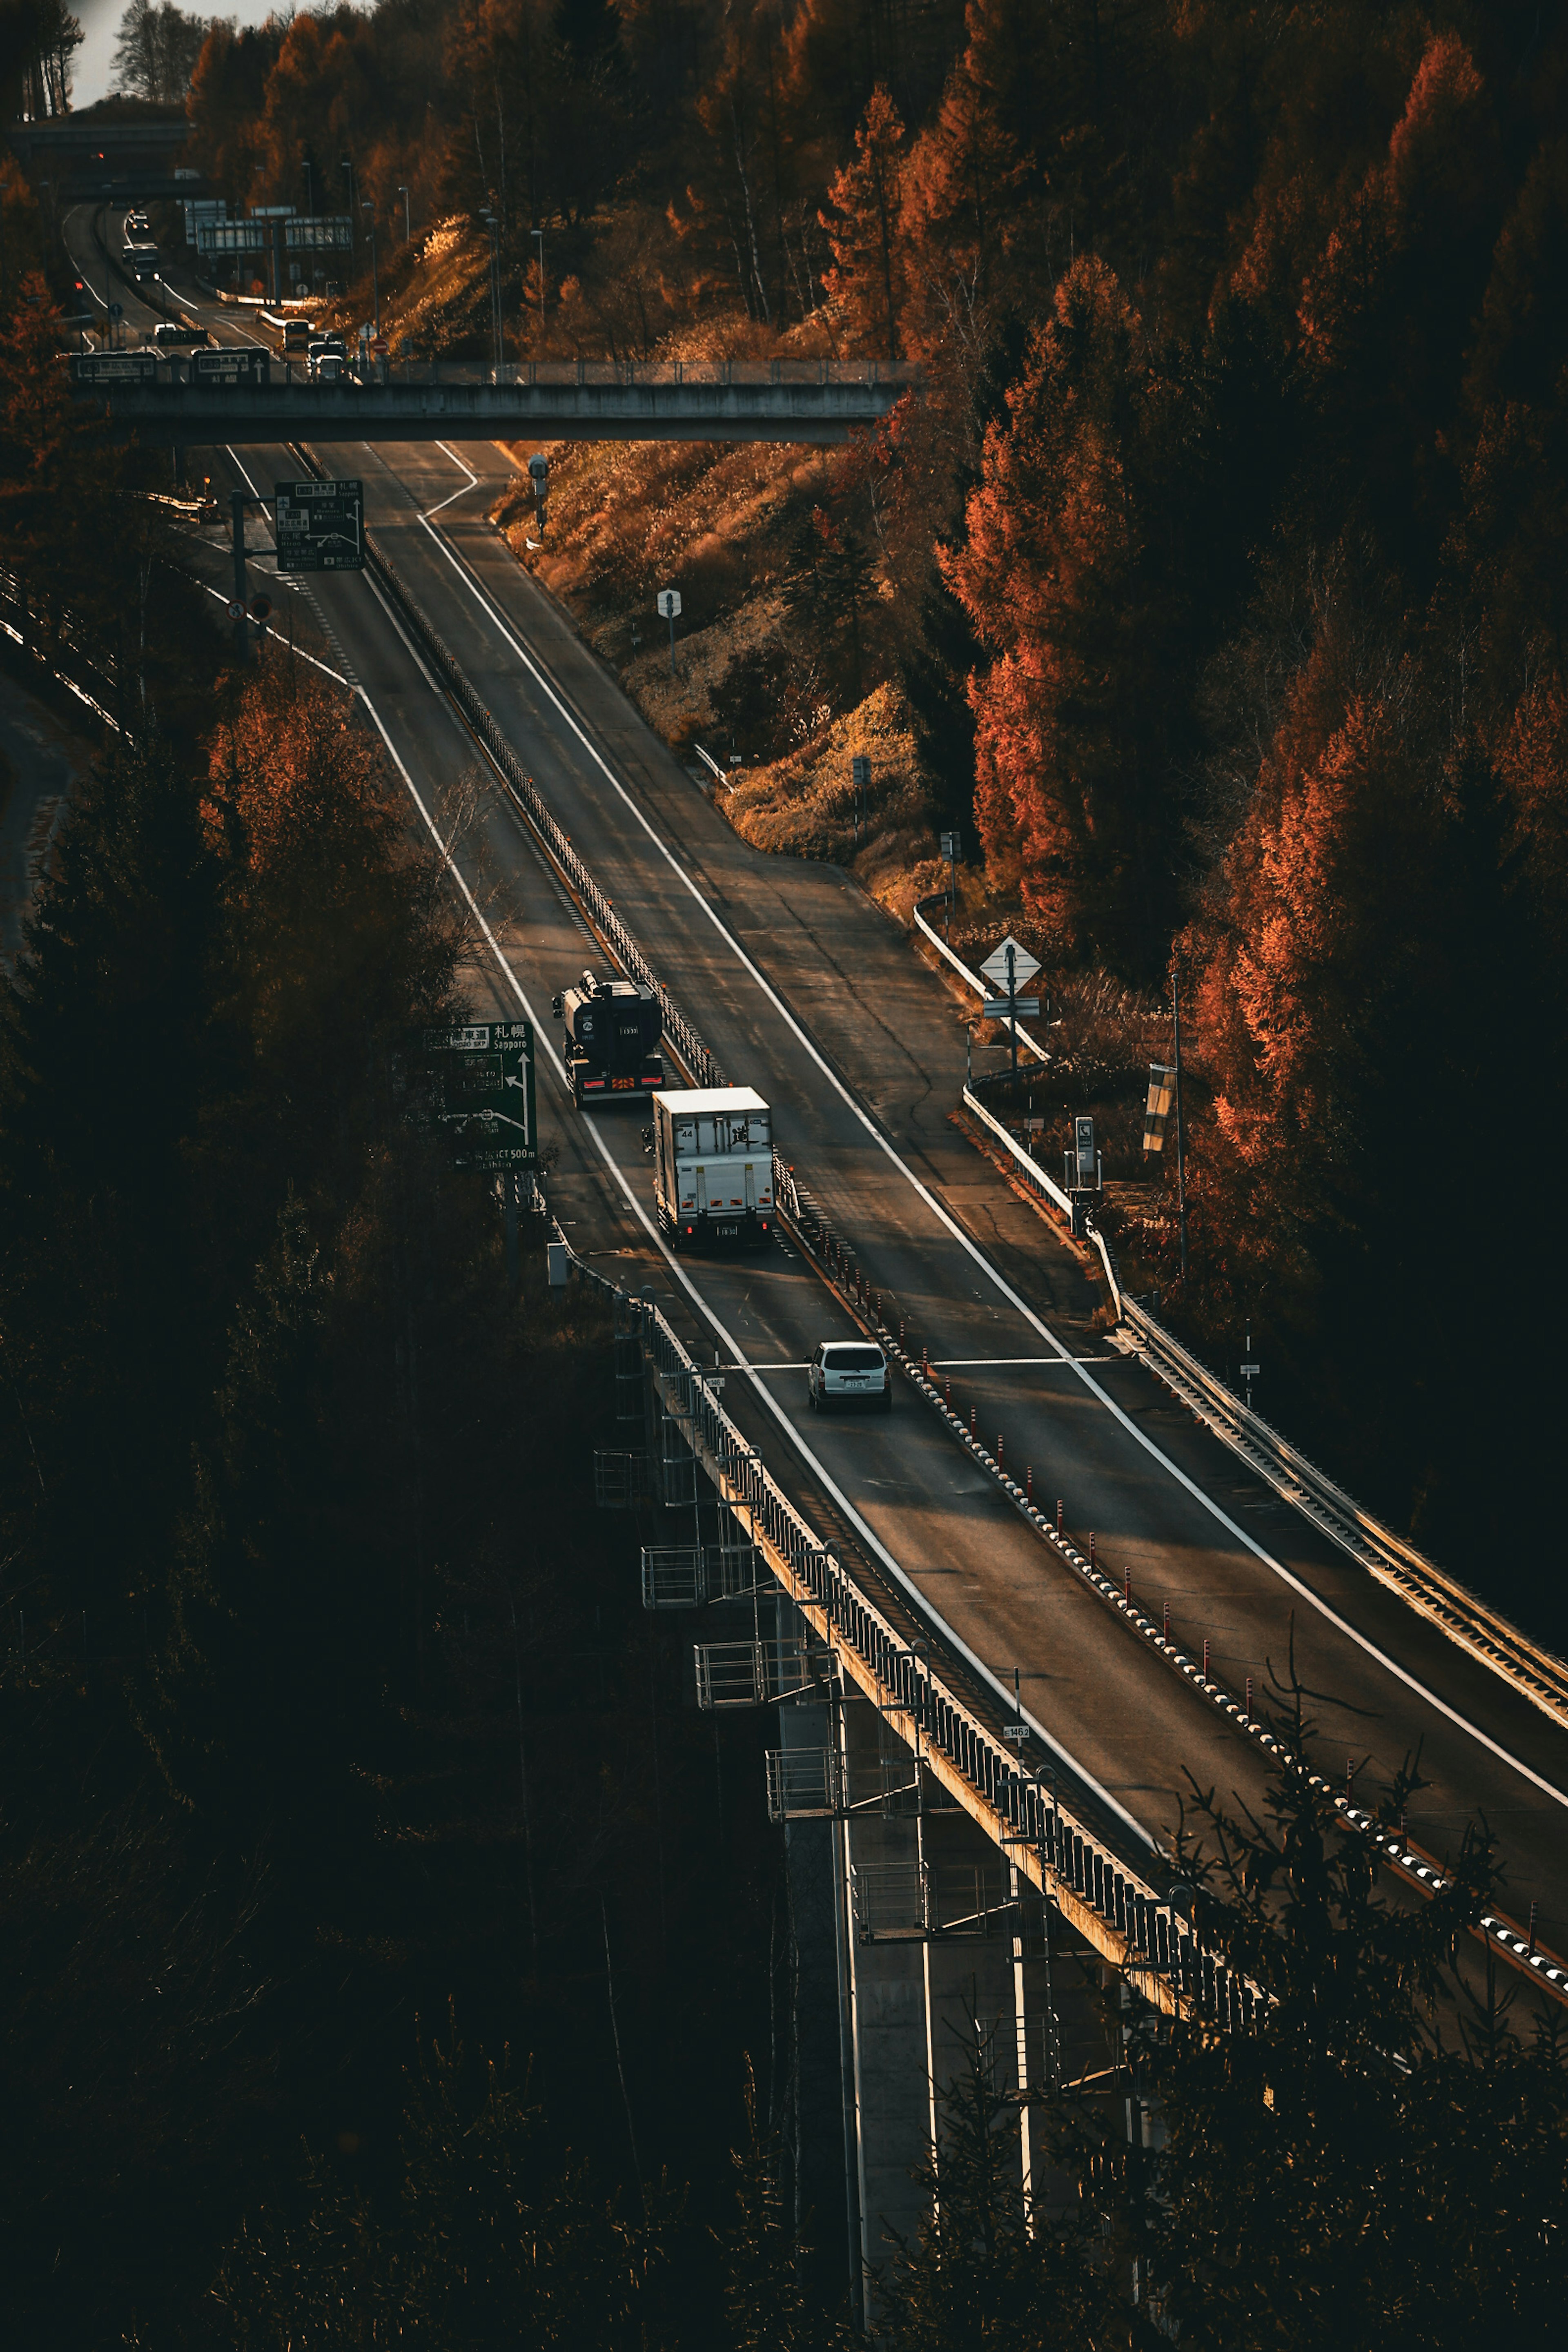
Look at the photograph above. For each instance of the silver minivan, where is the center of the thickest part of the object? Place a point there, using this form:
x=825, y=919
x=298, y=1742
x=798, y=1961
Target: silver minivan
x=849, y=1371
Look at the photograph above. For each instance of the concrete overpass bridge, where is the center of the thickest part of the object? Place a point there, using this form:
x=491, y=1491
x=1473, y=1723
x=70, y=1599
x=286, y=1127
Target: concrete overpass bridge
x=816, y=401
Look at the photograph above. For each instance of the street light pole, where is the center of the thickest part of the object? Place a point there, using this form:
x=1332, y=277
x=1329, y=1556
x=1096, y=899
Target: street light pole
x=538, y=237
x=374, y=271
x=407, y=231
x=241, y=640
x=493, y=224
x=347, y=164
x=1181, y=1135
x=309, y=185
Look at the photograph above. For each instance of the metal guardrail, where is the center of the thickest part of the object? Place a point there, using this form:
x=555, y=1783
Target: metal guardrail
x=1526, y=1664
x=1127, y=1918
x=68, y=650
x=1047, y=1184
x=971, y=980
x=1440, y=1597
x=818, y=1240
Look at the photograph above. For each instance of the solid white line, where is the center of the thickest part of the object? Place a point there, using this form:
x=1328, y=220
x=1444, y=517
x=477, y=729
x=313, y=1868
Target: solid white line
x=1220, y=1518
x=990, y=1363
x=727, y=1340
x=298, y=650
x=409, y=647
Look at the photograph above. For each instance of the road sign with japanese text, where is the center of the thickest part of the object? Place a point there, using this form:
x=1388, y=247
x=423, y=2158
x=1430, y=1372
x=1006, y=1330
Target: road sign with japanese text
x=476, y=1084
x=320, y=526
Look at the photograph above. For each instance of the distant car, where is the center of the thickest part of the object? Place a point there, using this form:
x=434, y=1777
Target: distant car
x=329, y=367
x=849, y=1371
x=138, y=221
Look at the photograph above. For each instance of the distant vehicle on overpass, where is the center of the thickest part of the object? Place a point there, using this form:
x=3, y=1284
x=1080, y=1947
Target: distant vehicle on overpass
x=713, y=1166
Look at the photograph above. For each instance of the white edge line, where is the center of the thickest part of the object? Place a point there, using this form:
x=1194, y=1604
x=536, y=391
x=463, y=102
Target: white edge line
x=298, y=650
x=1220, y=1518
x=978, y=1665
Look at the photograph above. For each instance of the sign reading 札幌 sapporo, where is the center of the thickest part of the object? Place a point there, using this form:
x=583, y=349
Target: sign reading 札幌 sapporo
x=476, y=1084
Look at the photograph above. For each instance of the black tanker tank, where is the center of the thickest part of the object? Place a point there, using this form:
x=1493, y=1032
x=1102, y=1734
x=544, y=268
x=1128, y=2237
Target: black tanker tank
x=613, y=1033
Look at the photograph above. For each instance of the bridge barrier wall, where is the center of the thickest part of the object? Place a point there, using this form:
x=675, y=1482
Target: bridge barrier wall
x=817, y=1238
x=1131, y=1922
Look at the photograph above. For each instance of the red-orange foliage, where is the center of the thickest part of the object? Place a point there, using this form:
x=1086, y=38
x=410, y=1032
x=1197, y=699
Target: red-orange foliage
x=296, y=781
x=1054, y=576
x=865, y=227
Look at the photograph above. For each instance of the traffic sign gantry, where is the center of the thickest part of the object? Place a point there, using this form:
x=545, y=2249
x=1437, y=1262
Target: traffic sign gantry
x=320, y=526
x=476, y=1084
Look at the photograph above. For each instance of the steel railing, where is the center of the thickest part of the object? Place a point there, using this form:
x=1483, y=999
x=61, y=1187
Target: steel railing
x=1139, y=1926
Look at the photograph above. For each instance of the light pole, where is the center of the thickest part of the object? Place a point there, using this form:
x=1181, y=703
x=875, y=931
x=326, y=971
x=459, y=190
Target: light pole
x=538, y=237
x=374, y=271
x=493, y=224
x=407, y=231
x=309, y=184
x=1181, y=1134
x=346, y=163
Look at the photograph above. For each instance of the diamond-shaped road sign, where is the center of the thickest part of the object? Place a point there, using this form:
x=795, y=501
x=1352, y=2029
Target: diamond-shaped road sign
x=1024, y=965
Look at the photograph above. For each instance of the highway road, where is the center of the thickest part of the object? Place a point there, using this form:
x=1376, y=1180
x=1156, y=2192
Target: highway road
x=804, y=989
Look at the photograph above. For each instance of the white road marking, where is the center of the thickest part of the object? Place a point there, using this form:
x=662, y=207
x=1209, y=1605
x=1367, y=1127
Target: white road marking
x=298, y=650
x=1020, y=1306
x=463, y=493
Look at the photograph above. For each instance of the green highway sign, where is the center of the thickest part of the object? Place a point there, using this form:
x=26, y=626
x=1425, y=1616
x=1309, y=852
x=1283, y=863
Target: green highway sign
x=320, y=526
x=478, y=1089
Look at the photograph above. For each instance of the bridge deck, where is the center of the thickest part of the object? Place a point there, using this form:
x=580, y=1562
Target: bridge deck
x=810, y=401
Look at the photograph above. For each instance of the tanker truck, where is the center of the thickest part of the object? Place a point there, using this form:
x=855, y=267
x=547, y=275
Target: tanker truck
x=613, y=1031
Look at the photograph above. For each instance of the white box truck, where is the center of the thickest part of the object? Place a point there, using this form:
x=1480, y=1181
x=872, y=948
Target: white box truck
x=713, y=1166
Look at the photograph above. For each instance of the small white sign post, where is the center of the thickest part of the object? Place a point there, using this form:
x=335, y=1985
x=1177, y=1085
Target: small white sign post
x=1011, y=967
x=668, y=603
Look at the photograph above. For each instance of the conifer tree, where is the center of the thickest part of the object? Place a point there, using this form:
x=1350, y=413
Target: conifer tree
x=864, y=228
x=991, y=2266
x=1383, y=2157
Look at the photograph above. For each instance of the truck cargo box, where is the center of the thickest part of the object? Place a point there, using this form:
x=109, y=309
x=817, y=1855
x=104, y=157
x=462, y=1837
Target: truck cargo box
x=713, y=1165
